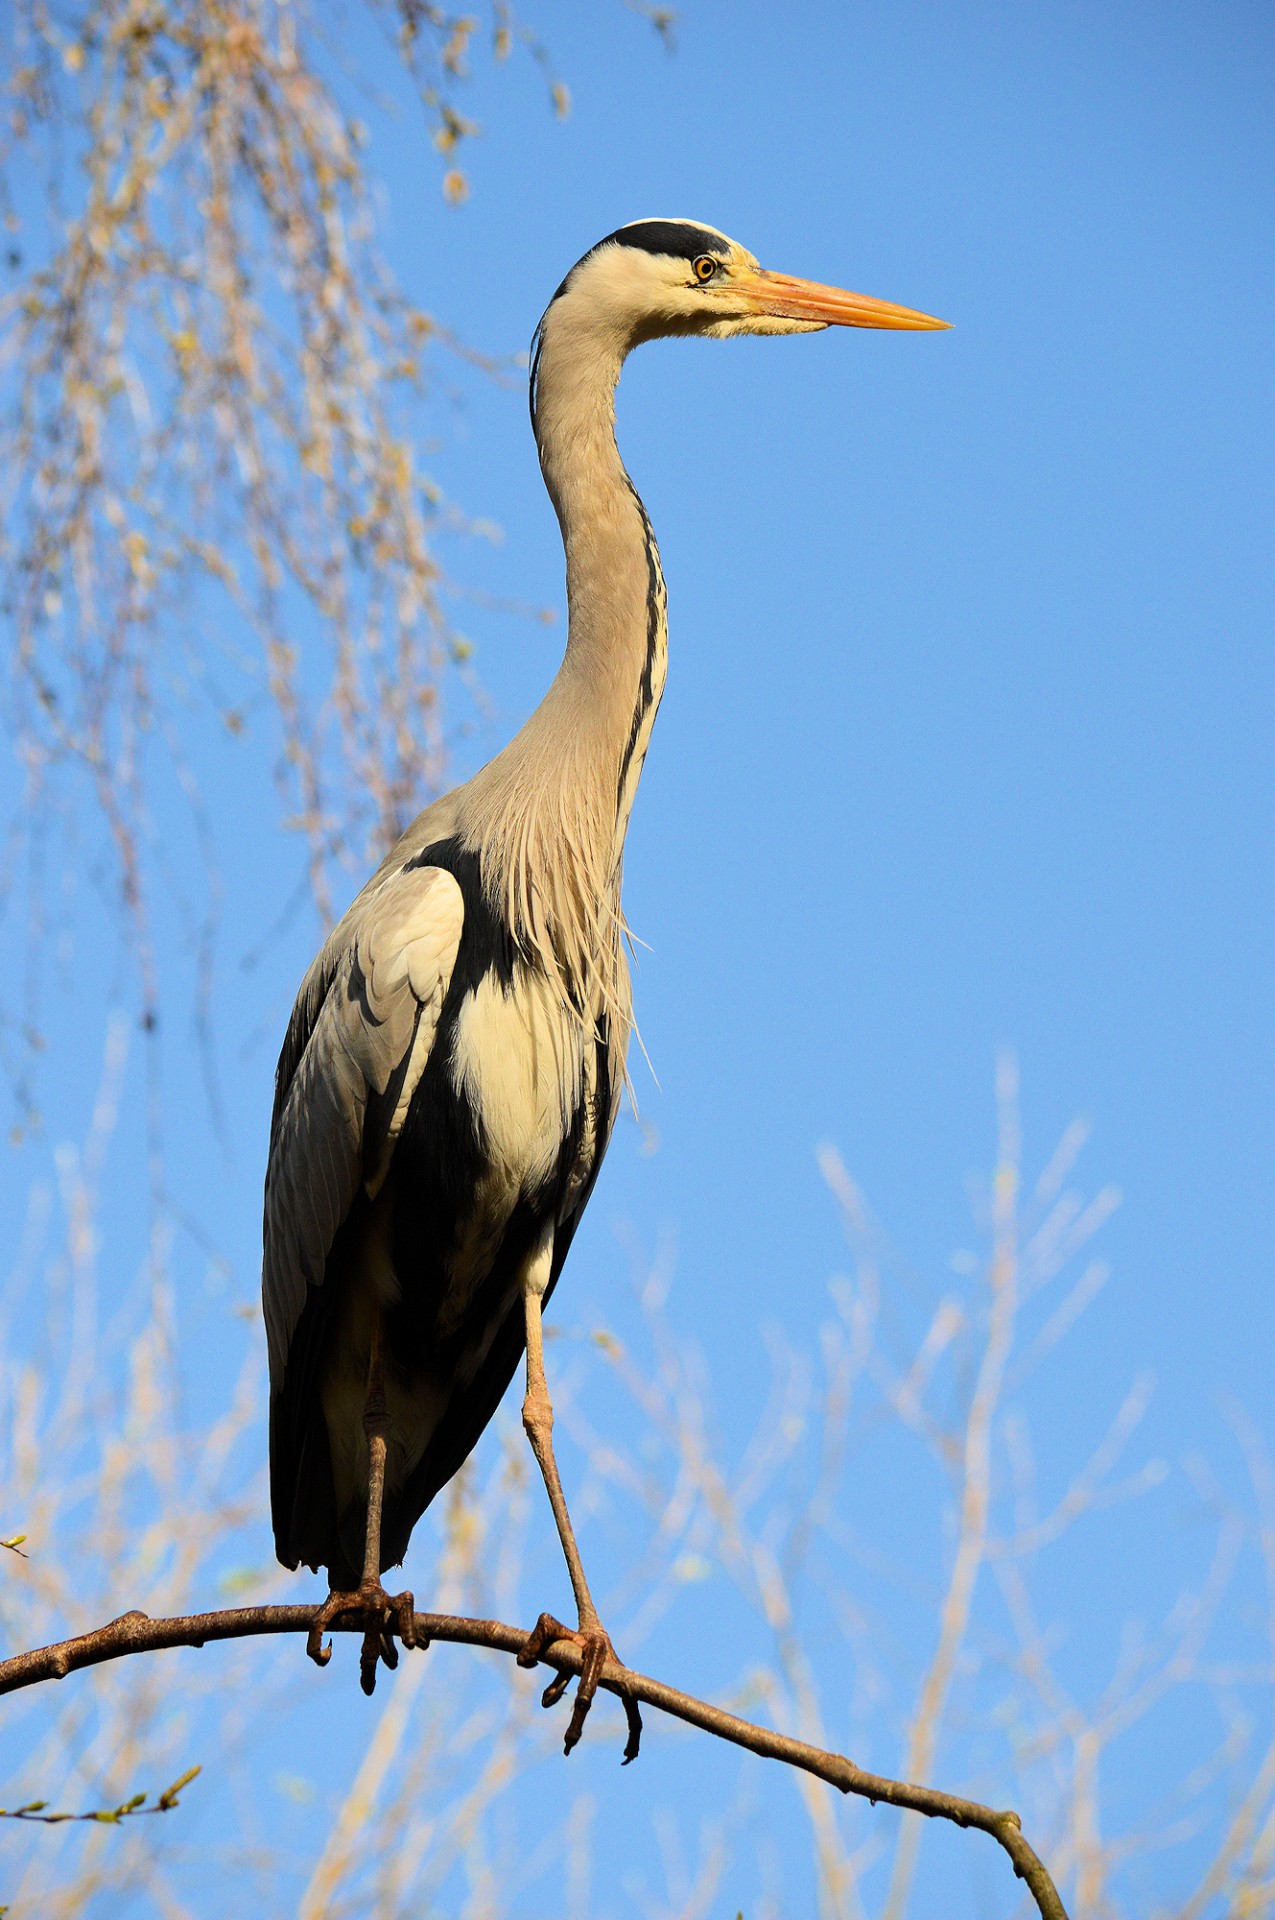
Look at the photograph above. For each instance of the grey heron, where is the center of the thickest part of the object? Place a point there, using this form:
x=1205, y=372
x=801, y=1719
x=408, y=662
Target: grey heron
x=454, y=1062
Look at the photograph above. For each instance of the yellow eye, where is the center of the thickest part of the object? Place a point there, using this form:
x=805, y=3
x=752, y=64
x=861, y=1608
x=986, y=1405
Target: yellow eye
x=705, y=267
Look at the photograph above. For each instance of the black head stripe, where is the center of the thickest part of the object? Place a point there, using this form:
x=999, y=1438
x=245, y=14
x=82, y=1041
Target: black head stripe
x=680, y=238
x=677, y=237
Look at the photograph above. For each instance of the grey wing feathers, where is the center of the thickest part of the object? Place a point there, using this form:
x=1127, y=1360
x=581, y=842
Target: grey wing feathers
x=357, y=1045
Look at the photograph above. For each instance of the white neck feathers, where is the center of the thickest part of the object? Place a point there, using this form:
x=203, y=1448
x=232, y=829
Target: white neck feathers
x=550, y=813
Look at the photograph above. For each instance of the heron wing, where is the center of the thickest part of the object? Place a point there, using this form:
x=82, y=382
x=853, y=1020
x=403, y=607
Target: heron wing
x=357, y=1045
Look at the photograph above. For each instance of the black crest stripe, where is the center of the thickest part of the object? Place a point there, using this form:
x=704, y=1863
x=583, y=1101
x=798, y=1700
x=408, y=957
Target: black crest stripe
x=676, y=237
x=681, y=239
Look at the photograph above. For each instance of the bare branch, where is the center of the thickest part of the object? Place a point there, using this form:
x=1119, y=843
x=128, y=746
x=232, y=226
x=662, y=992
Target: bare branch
x=38, y=1810
x=136, y=1633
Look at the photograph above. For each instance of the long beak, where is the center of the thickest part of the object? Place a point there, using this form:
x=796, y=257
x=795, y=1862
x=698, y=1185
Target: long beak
x=789, y=299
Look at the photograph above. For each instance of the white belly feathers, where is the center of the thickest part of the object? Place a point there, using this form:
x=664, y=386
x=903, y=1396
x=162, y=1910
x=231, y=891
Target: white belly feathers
x=518, y=1059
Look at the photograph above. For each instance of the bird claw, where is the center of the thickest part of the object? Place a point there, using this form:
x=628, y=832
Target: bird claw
x=314, y=1645
x=397, y=1615
x=596, y=1649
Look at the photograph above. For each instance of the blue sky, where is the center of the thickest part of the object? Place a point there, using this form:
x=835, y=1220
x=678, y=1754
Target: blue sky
x=967, y=737
x=967, y=740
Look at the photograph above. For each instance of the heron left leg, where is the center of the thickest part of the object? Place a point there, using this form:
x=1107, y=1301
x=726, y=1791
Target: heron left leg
x=370, y=1597
x=590, y=1635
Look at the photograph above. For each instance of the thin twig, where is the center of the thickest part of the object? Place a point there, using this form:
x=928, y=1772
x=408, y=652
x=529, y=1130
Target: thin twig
x=136, y=1633
x=38, y=1810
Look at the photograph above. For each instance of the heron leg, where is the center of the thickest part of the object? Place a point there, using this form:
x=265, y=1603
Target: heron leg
x=370, y=1597
x=590, y=1635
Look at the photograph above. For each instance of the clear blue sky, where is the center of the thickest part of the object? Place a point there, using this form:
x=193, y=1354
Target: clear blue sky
x=969, y=727
x=968, y=734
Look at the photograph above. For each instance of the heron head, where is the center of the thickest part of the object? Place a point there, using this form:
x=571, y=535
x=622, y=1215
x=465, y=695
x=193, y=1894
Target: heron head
x=658, y=277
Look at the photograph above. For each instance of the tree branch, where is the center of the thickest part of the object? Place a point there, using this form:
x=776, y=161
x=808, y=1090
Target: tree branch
x=136, y=1633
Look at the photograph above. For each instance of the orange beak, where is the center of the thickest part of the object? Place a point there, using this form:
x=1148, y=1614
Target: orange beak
x=786, y=298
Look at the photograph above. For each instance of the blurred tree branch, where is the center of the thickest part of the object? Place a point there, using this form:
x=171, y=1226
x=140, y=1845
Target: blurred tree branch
x=135, y=1633
x=138, y=1803
x=829, y=1618
x=211, y=394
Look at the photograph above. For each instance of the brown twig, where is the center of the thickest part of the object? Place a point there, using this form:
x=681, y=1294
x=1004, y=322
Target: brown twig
x=38, y=1810
x=136, y=1633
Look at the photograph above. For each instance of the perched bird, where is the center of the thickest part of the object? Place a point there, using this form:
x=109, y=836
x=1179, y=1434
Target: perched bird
x=455, y=1058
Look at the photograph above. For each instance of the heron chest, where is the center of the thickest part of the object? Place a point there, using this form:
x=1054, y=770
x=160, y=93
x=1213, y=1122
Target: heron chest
x=520, y=1063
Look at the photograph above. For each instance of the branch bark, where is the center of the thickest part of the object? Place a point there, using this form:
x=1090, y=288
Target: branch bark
x=137, y=1633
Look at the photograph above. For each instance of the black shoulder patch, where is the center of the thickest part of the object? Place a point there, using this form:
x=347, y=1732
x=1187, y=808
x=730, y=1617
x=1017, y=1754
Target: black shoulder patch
x=487, y=943
x=676, y=237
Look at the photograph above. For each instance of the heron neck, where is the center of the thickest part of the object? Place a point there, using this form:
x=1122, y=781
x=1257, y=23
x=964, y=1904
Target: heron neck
x=550, y=813
x=607, y=691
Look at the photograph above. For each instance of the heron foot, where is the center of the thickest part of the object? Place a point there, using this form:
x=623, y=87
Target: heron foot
x=393, y=1613
x=595, y=1650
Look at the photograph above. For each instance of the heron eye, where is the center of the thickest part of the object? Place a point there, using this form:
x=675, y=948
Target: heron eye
x=705, y=267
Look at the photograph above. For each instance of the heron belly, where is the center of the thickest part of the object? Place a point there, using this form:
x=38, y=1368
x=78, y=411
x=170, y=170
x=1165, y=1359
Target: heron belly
x=490, y=1150
x=504, y=1134
x=517, y=1064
